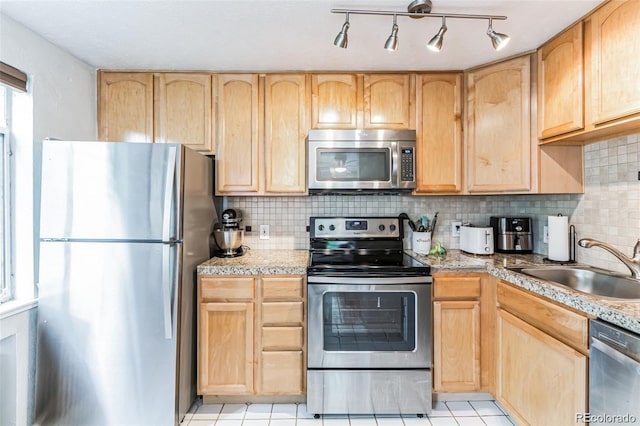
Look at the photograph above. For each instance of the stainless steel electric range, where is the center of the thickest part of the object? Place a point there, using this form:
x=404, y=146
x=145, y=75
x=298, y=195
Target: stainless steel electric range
x=369, y=320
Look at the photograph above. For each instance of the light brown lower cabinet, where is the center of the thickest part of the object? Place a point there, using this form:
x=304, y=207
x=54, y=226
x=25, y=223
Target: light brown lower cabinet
x=456, y=345
x=462, y=332
x=251, y=335
x=541, y=380
x=229, y=326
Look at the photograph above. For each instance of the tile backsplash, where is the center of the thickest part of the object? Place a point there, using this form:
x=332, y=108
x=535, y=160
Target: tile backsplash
x=609, y=210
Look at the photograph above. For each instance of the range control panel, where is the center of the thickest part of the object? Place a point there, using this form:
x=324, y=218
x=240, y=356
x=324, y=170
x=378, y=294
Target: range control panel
x=354, y=227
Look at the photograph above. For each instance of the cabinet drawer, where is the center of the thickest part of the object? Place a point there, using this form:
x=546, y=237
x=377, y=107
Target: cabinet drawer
x=226, y=288
x=282, y=373
x=565, y=325
x=282, y=288
x=282, y=338
x=456, y=287
x=282, y=313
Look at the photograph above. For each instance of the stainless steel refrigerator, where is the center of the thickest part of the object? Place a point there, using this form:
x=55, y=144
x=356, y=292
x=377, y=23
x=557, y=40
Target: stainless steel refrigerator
x=122, y=229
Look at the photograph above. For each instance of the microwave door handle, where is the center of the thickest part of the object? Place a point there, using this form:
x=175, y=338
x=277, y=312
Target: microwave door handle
x=395, y=179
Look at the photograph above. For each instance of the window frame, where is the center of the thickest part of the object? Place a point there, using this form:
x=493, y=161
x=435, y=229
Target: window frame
x=7, y=282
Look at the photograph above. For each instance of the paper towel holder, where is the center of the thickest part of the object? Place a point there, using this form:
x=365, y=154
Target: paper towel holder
x=572, y=249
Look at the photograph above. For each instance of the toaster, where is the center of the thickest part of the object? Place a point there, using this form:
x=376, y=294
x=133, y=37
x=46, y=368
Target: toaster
x=476, y=239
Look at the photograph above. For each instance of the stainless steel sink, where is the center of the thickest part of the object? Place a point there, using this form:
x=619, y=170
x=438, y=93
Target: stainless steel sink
x=600, y=282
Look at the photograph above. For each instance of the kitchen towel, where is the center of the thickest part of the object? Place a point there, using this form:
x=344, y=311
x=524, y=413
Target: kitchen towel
x=559, y=238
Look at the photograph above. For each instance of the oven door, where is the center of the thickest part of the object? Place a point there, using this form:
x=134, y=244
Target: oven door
x=352, y=165
x=369, y=322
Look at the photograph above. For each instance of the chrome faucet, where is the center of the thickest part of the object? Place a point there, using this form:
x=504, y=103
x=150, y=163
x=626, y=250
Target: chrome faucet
x=633, y=263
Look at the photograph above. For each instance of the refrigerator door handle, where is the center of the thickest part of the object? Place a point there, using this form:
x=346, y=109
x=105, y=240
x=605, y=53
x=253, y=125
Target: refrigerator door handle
x=168, y=194
x=167, y=284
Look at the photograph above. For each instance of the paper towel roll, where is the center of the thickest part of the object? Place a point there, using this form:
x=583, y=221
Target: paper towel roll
x=559, y=238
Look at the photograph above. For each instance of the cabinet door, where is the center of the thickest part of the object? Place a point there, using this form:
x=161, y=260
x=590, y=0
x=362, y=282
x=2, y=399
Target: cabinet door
x=183, y=110
x=237, y=161
x=125, y=108
x=456, y=349
x=439, y=133
x=499, y=136
x=225, y=348
x=560, y=84
x=541, y=381
x=615, y=61
x=389, y=101
x=336, y=101
x=286, y=111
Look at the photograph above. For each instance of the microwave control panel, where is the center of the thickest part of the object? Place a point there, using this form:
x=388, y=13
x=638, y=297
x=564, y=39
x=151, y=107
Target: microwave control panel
x=407, y=164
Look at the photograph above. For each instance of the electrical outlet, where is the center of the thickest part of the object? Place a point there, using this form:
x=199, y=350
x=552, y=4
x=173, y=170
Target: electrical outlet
x=264, y=232
x=455, y=229
x=545, y=234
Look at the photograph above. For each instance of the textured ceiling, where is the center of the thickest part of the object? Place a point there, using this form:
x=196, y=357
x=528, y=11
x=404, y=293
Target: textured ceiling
x=283, y=35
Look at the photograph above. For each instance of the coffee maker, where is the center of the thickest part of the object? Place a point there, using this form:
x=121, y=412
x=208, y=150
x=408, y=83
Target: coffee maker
x=226, y=239
x=512, y=234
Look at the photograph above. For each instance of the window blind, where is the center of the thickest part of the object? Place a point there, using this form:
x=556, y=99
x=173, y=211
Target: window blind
x=13, y=77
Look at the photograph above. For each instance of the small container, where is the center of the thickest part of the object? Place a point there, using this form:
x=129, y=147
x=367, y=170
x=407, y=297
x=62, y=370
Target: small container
x=421, y=242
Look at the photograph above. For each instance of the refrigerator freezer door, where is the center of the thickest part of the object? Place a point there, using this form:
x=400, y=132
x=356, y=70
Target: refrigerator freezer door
x=109, y=191
x=103, y=353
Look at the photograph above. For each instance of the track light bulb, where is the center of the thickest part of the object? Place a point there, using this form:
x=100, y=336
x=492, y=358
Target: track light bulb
x=392, y=41
x=435, y=44
x=342, y=39
x=498, y=40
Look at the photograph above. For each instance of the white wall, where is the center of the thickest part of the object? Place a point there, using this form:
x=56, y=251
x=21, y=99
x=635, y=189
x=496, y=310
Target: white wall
x=60, y=103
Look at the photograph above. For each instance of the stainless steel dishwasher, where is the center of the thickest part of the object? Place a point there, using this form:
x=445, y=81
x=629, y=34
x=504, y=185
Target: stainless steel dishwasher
x=614, y=375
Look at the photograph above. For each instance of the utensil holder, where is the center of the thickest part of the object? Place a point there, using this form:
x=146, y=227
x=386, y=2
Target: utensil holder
x=421, y=242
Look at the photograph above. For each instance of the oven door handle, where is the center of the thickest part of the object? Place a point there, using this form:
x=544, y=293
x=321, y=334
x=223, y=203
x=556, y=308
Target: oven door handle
x=312, y=279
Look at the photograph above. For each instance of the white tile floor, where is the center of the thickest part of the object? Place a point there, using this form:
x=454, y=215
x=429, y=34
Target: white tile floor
x=456, y=413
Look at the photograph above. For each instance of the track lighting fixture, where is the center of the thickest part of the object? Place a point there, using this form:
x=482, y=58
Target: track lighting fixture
x=421, y=9
x=392, y=41
x=341, y=39
x=435, y=44
x=497, y=39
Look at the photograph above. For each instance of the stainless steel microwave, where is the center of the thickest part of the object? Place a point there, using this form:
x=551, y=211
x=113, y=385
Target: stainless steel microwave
x=351, y=161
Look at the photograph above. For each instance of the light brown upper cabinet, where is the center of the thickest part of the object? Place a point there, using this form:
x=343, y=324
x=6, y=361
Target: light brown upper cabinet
x=263, y=124
x=286, y=113
x=125, y=107
x=157, y=107
x=439, y=133
x=336, y=101
x=363, y=101
x=560, y=84
x=239, y=134
x=611, y=70
x=615, y=61
x=184, y=110
x=498, y=139
x=388, y=101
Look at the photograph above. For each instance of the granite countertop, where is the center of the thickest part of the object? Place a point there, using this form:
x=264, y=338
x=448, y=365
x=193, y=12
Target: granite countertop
x=456, y=260
x=625, y=314
x=294, y=262
x=253, y=262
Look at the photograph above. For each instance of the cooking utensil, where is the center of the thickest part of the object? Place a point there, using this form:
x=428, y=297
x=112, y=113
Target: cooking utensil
x=404, y=216
x=433, y=222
